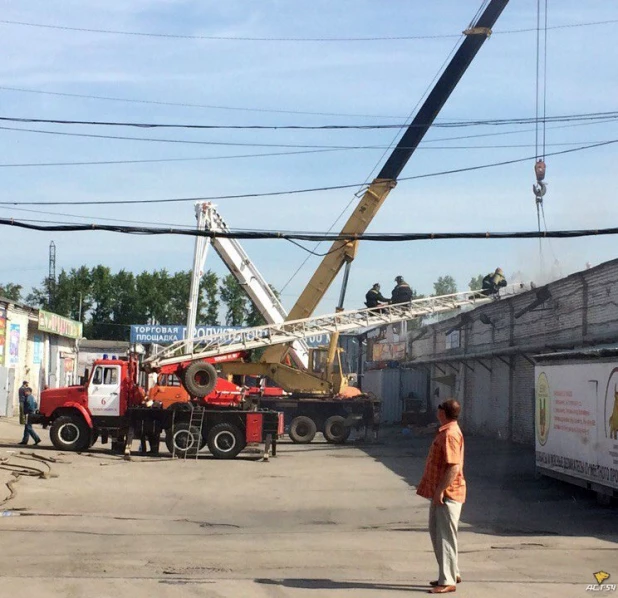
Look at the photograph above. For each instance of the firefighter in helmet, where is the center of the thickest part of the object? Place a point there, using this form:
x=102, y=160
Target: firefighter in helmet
x=374, y=297
x=402, y=293
x=493, y=282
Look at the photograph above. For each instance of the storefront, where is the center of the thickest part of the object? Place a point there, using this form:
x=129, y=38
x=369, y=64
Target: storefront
x=36, y=346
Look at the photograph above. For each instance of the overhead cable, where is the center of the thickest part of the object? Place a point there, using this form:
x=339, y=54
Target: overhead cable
x=300, y=191
x=427, y=144
x=281, y=39
x=451, y=124
x=307, y=236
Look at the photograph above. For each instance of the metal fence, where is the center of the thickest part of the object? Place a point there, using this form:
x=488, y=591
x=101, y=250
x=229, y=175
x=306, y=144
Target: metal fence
x=393, y=386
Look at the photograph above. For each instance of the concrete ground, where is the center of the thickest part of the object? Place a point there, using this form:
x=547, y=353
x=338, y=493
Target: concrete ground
x=317, y=521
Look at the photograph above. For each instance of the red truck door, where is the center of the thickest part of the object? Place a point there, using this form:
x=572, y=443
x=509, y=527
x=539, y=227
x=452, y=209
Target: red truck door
x=104, y=390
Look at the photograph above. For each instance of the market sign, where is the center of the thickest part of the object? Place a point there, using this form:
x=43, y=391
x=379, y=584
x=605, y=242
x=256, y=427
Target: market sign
x=55, y=324
x=163, y=334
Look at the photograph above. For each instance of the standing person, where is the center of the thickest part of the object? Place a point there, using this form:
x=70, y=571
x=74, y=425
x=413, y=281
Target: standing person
x=402, y=292
x=374, y=297
x=29, y=407
x=443, y=483
x=22, y=397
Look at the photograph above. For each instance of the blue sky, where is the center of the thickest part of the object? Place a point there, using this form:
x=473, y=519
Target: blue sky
x=371, y=80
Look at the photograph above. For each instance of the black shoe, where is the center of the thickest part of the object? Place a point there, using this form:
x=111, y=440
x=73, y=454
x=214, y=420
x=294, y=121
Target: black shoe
x=22, y=443
x=37, y=442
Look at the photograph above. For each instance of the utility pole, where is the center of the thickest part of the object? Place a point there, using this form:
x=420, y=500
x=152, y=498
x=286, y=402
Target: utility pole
x=51, y=279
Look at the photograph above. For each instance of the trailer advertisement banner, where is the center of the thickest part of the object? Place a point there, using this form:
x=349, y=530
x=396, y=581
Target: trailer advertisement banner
x=576, y=420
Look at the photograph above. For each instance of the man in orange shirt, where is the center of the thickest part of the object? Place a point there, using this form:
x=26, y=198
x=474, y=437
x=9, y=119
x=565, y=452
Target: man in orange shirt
x=443, y=483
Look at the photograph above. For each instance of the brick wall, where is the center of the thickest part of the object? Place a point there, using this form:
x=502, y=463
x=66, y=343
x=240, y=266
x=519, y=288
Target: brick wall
x=497, y=388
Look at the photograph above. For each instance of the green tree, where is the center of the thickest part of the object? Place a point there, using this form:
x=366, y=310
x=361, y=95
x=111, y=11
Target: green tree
x=476, y=283
x=111, y=302
x=235, y=301
x=103, y=296
x=66, y=291
x=210, y=290
x=126, y=307
x=11, y=291
x=179, y=288
x=445, y=285
x=153, y=291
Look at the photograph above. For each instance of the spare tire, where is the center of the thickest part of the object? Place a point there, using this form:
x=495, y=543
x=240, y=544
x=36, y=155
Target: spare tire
x=302, y=430
x=335, y=430
x=200, y=379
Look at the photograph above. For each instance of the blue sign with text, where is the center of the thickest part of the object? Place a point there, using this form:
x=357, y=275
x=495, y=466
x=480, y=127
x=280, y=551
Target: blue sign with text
x=162, y=334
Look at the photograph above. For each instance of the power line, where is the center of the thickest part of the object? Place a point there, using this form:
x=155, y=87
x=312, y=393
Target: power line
x=106, y=219
x=224, y=143
x=196, y=126
x=123, y=221
x=283, y=39
x=307, y=190
x=589, y=116
x=189, y=105
x=156, y=160
x=315, y=151
x=309, y=236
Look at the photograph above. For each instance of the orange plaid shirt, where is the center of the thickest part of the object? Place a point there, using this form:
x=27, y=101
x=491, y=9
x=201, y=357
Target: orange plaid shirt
x=446, y=449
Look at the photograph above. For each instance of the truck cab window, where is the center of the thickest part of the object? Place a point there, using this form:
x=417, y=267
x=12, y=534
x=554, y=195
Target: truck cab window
x=97, y=378
x=111, y=376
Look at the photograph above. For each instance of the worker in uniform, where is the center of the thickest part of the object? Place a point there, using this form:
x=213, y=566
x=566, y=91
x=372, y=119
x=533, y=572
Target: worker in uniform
x=373, y=298
x=402, y=293
x=493, y=282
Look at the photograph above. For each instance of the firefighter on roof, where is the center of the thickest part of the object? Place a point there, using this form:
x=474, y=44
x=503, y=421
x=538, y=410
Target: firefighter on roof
x=402, y=292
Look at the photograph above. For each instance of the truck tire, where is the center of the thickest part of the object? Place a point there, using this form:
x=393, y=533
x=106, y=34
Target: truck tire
x=335, y=430
x=200, y=379
x=302, y=430
x=183, y=440
x=70, y=433
x=225, y=441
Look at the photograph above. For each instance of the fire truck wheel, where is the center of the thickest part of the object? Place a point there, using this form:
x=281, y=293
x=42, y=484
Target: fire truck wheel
x=302, y=430
x=335, y=431
x=225, y=441
x=200, y=378
x=70, y=433
x=182, y=440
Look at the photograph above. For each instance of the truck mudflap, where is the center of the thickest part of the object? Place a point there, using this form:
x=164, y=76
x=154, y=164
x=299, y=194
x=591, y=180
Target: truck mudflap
x=254, y=429
x=281, y=424
x=260, y=425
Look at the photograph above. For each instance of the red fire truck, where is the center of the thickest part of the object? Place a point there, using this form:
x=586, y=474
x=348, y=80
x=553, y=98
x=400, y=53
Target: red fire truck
x=112, y=406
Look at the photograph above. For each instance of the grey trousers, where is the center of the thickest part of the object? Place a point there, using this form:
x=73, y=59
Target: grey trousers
x=443, y=523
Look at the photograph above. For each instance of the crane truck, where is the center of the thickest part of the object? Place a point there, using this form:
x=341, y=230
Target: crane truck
x=323, y=379
x=78, y=415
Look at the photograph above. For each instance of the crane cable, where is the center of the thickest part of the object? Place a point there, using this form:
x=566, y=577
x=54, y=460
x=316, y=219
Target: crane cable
x=540, y=187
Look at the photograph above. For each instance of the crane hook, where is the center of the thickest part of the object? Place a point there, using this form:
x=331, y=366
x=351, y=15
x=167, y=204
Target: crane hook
x=539, y=191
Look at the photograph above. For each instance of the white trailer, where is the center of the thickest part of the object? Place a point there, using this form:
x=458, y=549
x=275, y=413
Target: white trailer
x=576, y=420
